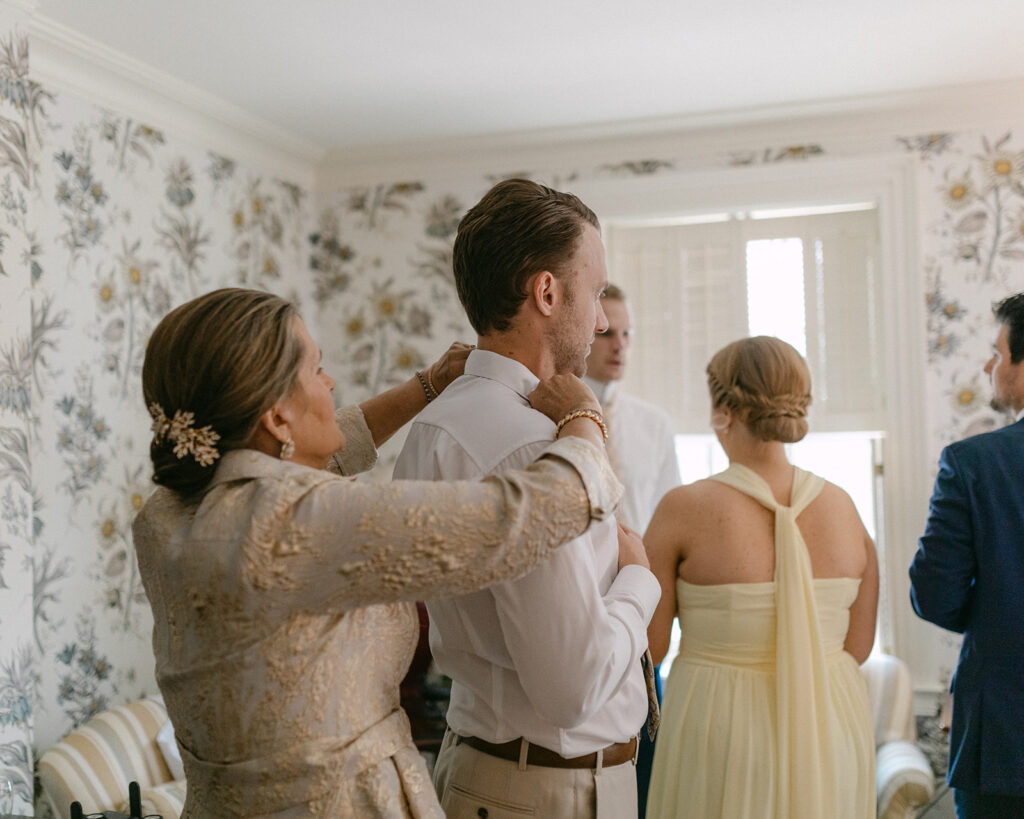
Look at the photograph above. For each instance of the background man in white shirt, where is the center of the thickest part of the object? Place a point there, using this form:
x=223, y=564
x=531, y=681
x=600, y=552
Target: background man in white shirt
x=641, y=443
x=547, y=689
x=641, y=448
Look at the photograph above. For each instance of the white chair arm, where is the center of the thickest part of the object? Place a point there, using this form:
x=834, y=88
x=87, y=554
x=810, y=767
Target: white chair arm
x=903, y=778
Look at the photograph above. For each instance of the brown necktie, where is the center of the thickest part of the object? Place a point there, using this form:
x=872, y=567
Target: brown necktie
x=653, y=710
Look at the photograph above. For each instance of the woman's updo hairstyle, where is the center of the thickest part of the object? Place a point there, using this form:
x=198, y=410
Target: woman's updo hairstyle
x=766, y=383
x=226, y=358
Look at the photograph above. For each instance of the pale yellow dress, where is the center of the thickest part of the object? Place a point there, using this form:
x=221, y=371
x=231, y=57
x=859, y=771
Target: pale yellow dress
x=765, y=715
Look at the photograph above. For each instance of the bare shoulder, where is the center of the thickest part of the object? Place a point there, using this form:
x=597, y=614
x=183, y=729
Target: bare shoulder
x=689, y=498
x=836, y=501
x=831, y=523
x=686, y=511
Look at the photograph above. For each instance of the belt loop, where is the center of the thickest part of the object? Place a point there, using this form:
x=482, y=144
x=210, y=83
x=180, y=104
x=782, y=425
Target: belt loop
x=600, y=761
x=524, y=750
x=456, y=738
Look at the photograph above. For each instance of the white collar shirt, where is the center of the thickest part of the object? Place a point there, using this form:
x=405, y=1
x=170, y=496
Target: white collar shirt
x=555, y=655
x=641, y=448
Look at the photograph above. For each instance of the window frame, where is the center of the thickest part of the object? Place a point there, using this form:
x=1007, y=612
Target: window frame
x=890, y=182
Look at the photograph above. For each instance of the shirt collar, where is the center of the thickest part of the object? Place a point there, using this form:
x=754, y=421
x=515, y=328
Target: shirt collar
x=1020, y=414
x=517, y=377
x=604, y=391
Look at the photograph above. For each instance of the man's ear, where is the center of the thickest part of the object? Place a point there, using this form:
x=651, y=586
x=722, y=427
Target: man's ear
x=545, y=293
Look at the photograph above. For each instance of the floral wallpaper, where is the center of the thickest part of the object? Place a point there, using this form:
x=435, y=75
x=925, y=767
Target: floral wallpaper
x=23, y=106
x=386, y=304
x=972, y=192
x=106, y=223
x=975, y=256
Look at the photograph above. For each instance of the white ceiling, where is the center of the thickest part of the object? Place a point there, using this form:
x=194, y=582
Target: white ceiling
x=357, y=73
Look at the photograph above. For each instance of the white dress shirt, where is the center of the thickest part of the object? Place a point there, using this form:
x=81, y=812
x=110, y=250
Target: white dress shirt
x=555, y=655
x=642, y=451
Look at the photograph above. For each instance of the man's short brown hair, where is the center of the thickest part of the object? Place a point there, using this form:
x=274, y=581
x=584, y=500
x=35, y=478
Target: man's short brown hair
x=518, y=229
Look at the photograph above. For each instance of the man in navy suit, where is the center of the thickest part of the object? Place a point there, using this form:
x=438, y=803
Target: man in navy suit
x=968, y=577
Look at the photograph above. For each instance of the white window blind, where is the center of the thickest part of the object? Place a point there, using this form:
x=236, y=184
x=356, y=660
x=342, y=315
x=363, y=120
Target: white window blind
x=688, y=290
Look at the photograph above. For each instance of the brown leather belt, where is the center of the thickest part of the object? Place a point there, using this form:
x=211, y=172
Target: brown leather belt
x=536, y=755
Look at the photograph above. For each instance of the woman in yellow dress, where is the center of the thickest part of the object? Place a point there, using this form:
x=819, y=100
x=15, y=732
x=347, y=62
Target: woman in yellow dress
x=775, y=583
x=283, y=595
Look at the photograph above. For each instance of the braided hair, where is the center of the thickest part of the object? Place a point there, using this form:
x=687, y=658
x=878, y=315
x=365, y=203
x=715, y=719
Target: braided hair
x=766, y=383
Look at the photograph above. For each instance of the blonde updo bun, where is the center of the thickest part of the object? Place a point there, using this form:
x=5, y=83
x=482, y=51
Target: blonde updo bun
x=766, y=383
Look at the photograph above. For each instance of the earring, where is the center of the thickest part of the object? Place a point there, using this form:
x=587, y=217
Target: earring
x=287, y=449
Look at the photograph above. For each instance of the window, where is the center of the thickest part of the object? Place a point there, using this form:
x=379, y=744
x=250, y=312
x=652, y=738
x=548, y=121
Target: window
x=811, y=279
x=808, y=278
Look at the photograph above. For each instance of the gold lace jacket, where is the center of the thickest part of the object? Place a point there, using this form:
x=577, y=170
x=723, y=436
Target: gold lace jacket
x=284, y=621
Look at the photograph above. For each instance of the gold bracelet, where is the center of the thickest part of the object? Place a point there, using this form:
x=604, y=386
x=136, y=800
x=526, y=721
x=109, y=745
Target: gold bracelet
x=430, y=383
x=593, y=415
x=427, y=387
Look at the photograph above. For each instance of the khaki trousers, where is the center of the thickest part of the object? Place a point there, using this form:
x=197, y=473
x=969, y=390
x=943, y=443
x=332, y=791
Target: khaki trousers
x=475, y=785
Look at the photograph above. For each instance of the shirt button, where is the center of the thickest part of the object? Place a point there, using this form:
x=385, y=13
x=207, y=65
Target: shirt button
x=482, y=813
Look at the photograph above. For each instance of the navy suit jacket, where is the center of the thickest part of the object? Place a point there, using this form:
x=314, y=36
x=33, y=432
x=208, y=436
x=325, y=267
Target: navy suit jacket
x=968, y=577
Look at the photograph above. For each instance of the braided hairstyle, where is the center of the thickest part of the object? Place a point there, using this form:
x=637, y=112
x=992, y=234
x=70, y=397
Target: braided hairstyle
x=224, y=359
x=766, y=383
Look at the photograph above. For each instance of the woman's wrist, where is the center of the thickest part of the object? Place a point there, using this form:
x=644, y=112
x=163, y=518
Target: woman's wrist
x=574, y=420
x=585, y=429
x=427, y=384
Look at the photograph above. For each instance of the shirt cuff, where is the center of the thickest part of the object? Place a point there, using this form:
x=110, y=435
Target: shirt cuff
x=602, y=487
x=359, y=452
x=643, y=585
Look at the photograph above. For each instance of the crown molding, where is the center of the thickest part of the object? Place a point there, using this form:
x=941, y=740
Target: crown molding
x=64, y=60
x=858, y=123
x=23, y=6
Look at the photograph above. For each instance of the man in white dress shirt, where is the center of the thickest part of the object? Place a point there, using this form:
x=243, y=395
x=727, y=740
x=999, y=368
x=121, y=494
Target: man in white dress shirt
x=547, y=689
x=641, y=443
x=641, y=448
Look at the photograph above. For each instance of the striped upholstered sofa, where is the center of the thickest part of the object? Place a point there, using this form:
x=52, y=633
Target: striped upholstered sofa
x=903, y=777
x=95, y=762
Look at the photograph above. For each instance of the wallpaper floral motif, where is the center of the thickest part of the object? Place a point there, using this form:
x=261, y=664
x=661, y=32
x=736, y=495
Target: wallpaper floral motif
x=23, y=109
x=106, y=223
x=385, y=299
x=135, y=223
x=974, y=256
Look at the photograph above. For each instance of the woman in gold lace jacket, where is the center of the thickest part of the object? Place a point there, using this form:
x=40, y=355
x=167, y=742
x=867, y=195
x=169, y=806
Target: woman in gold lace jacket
x=283, y=594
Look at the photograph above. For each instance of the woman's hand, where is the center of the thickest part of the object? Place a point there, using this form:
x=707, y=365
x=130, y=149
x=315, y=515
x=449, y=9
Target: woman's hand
x=449, y=366
x=559, y=395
